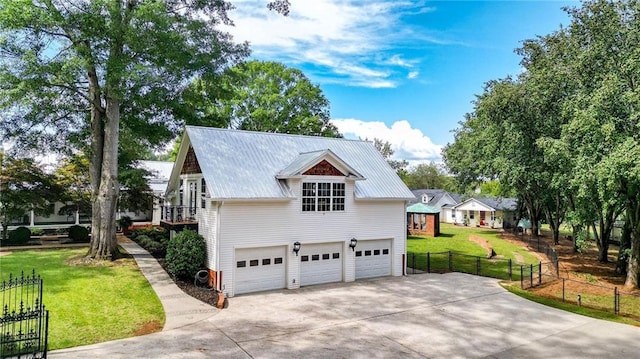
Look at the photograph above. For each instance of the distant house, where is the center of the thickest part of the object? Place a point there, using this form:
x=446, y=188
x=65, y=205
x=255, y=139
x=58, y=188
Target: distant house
x=438, y=198
x=284, y=211
x=486, y=212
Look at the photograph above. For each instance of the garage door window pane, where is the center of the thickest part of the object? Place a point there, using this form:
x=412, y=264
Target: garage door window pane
x=385, y=251
x=358, y=253
x=376, y=252
x=241, y=264
x=336, y=255
x=253, y=262
x=277, y=260
x=304, y=258
x=367, y=253
x=325, y=256
x=315, y=257
x=266, y=261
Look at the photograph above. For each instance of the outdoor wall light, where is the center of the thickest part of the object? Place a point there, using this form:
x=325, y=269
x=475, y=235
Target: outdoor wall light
x=353, y=243
x=296, y=248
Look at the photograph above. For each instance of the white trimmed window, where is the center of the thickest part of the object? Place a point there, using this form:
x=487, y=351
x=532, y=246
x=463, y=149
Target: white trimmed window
x=322, y=196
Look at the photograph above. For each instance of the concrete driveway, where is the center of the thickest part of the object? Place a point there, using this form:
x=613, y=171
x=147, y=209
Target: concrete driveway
x=421, y=316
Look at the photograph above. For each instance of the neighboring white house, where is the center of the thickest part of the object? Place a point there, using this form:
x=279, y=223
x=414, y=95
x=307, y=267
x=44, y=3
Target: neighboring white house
x=284, y=211
x=158, y=179
x=440, y=199
x=160, y=171
x=486, y=212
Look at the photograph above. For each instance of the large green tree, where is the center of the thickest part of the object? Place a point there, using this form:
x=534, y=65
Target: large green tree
x=428, y=176
x=82, y=73
x=24, y=187
x=575, y=124
x=260, y=96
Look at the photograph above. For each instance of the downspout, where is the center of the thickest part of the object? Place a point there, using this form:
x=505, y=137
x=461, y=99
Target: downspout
x=217, y=265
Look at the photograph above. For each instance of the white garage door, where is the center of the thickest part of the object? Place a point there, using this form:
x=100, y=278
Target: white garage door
x=320, y=263
x=258, y=269
x=373, y=258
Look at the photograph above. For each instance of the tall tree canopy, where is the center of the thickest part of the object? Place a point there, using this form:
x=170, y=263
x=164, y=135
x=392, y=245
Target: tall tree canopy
x=83, y=74
x=260, y=96
x=565, y=135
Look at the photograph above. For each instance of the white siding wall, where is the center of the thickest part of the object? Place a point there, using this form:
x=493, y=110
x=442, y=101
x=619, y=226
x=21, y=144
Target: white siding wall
x=207, y=227
x=257, y=224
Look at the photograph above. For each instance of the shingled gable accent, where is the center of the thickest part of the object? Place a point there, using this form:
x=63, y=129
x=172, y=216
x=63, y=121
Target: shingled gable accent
x=324, y=168
x=319, y=163
x=190, y=165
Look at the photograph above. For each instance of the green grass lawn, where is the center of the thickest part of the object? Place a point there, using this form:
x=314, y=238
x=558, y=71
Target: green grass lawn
x=88, y=303
x=466, y=253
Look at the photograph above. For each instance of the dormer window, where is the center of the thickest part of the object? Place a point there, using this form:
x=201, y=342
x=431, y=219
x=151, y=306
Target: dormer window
x=323, y=197
x=425, y=198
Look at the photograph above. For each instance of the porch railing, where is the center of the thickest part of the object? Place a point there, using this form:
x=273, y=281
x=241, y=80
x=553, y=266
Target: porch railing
x=178, y=214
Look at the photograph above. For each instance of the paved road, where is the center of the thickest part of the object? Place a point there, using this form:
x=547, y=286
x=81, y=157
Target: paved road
x=421, y=316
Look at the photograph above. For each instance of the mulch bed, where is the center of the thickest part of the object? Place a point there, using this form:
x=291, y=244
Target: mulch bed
x=203, y=294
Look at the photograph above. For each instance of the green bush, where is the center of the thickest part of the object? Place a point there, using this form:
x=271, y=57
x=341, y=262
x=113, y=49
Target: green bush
x=37, y=231
x=154, y=239
x=79, y=233
x=19, y=236
x=124, y=222
x=186, y=254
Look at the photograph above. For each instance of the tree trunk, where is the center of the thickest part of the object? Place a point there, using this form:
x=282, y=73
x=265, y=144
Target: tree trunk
x=625, y=246
x=104, y=245
x=103, y=241
x=633, y=268
x=95, y=167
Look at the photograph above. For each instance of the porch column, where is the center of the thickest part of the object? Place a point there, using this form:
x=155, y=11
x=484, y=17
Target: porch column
x=33, y=218
x=77, y=216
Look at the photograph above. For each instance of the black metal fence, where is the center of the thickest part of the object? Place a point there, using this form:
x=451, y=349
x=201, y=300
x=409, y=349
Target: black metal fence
x=442, y=262
x=25, y=321
x=538, y=245
x=585, y=293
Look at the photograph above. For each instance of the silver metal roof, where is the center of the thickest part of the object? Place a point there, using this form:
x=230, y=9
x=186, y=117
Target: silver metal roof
x=244, y=164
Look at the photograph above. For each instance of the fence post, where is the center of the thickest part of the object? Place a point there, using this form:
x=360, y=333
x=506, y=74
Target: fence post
x=616, y=309
x=428, y=262
x=531, y=275
x=478, y=266
x=450, y=261
x=539, y=273
x=521, y=277
x=413, y=265
x=510, y=270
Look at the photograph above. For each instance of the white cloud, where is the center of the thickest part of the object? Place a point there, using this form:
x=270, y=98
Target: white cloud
x=349, y=41
x=413, y=74
x=408, y=143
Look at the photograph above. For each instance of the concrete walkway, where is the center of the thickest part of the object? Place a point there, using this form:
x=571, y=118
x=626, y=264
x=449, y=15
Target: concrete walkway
x=420, y=316
x=180, y=309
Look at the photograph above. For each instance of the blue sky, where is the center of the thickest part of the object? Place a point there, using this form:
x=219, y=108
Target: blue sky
x=403, y=71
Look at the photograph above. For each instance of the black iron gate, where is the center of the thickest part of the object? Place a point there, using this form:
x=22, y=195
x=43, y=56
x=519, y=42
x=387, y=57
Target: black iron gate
x=24, y=321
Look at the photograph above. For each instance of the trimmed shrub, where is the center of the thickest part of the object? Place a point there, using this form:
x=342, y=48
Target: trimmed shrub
x=154, y=240
x=124, y=223
x=37, y=231
x=79, y=234
x=19, y=236
x=186, y=254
